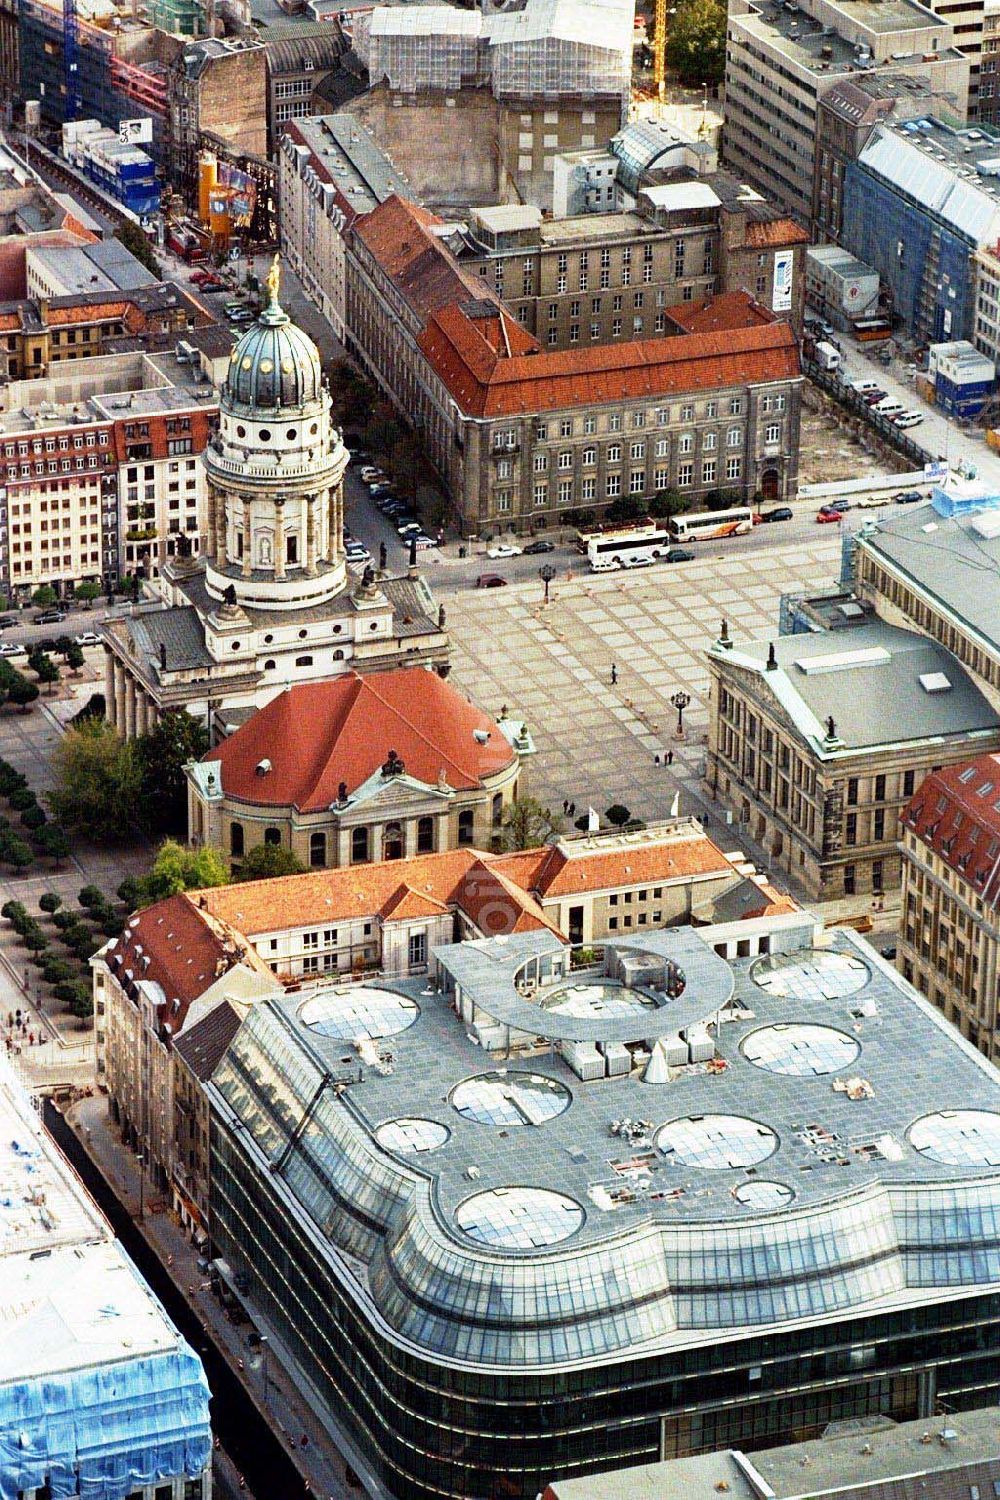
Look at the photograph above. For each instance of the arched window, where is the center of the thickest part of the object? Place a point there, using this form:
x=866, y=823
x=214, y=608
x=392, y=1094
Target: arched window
x=359, y=846
x=466, y=822
x=392, y=842
x=497, y=810
x=425, y=835
x=272, y=835
x=236, y=840
x=317, y=850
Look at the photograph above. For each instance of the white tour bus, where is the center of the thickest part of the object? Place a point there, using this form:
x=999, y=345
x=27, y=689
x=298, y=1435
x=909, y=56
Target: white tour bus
x=633, y=548
x=710, y=524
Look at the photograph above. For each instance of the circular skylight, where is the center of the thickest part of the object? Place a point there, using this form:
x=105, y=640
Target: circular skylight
x=597, y=999
x=811, y=975
x=763, y=1196
x=959, y=1137
x=716, y=1141
x=519, y=1218
x=350, y=1014
x=503, y=1098
x=408, y=1136
x=800, y=1051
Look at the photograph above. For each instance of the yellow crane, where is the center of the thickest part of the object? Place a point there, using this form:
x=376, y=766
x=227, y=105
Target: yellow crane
x=660, y=47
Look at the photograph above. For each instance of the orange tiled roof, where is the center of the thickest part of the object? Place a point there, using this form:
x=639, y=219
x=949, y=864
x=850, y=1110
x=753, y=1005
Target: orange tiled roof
x=960, y=820
x=459, y=877
x=769, y=233
x=599, y=869
x=486, y=384
x=171, y=944
x=319, y=734
x=728, y=311
x=425, y=272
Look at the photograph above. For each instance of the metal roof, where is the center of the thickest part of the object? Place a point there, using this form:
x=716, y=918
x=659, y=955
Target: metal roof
x=933, y=184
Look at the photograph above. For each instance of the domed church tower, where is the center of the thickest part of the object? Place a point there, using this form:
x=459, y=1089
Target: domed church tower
x=275, y=476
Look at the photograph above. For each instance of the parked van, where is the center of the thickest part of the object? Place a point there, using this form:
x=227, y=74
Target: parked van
x=827, y=357
x=865, y=387
x=890, y=407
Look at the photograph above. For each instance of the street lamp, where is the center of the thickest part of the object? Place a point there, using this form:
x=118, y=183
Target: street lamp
x=680, y=701
x=546, y=573
x=142, y=1185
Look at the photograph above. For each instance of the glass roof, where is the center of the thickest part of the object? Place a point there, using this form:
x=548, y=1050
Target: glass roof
x=597, y=999
x=358, y=1012
x=503, y=1098
x=519, y=1218
x=959, y=1137
x=763, y=1195
x=800, y=1051
x=811, y=976
x=411, y=1136
x=716, y=1141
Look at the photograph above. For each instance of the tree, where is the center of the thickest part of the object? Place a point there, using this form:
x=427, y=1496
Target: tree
x=18, y=854
x=87, y=593
x=132, y=237
x=75, y=658
x=61, y=645
x=617, y=815
x=57, y=971
x=10, y=780
x=90, y=896
x=526, y=824
x=177, y=868
x=22, y=693
x=696, y=41
x=13, y=909
x=44, y=596
x=162, y=755
x=51, y=841
x=33, y=818
x=98, y=782
x=22, y=799
x=82, y=1004
x=43, y=667
x=129, y=892
x=266, y=861
x=49, y=902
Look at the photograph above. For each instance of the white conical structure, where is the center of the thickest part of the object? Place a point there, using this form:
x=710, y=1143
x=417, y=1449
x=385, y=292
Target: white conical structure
x=657, y=1069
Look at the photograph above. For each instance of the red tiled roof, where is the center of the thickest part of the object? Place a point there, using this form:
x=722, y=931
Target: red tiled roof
x=319, y=734
x=728, y=311
x=956, y=812
x=486, y=384
x=171, y=944
x=559, y=873
x=423, y=269
x=771, y=233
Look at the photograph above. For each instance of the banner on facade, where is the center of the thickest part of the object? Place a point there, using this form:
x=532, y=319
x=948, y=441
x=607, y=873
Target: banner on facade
x=781, y=300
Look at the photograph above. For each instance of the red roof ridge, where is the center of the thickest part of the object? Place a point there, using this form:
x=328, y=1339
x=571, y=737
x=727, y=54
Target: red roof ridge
x=369, y=683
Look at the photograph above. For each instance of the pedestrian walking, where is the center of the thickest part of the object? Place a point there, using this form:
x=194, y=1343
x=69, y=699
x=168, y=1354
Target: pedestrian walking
x=670, y=757
x=656, y=760
x=614, y=673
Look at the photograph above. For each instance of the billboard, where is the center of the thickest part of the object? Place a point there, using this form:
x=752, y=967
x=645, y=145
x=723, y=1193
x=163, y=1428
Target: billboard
x=781, y=298
x=135, y=132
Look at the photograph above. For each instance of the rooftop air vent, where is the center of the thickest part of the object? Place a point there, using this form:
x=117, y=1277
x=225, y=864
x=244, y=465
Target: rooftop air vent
x=935, y=682
x=263, y=767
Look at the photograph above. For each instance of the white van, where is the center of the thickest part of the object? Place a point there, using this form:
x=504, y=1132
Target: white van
x=890, y=407
x=864, y=386
x=909, y=419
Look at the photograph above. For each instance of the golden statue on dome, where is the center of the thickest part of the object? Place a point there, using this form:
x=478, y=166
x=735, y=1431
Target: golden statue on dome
x=273, y=281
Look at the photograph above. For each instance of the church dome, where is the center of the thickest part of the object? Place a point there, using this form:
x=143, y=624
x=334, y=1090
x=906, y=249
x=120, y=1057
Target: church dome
x=274, y=365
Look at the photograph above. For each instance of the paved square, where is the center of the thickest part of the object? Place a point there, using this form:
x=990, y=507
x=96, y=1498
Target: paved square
x=597, y=741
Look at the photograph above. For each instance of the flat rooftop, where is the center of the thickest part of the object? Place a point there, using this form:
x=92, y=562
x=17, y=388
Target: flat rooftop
x=357, y=167
x=806, y=41
x=948, y=558
x=764, y=1183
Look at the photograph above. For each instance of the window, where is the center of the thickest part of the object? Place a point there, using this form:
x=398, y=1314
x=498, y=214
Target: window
x=685, y=474
x=637, y=450
x=708, y=471
x=772, y=433
x=236, y=840
x=317, y=850
x=589, y=425
x=909, y=778
x=734, y=437
x=540, y=463
x=852, y=791
x=272, y=836
x=708, y=442
x=637, y=481
x=359, y=846
x=879, y=788
x=589, y=457
x=614, y=485
x=540, y=494
x=878, y=825
x=588, y=489
x=851, y=829
x=466, y=822
x=418, y=950
x=566, y=459
x=734, y=468
x=614, y=453
x=425, y=835
x=685, y=443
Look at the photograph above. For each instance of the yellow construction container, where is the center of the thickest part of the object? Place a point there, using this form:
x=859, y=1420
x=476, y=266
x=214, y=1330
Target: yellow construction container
x=993, y=437
x=925, y=388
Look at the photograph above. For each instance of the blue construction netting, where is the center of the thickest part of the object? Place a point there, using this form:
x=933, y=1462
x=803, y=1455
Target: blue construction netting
x=103, y=1432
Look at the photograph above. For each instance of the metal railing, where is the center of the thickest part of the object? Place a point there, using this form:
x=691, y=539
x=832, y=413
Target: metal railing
x=852, y=401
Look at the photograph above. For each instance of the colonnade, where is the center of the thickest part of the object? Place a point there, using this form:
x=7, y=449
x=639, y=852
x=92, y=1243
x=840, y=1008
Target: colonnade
x=129, y=708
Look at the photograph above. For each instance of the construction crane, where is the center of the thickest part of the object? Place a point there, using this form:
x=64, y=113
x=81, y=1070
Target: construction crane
x=71, y=60
x=659, y=47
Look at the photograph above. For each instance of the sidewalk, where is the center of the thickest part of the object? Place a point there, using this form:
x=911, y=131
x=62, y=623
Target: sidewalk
x=277, y=1401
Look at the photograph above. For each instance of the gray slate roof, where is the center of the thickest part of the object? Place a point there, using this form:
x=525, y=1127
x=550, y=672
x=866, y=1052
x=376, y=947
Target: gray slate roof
x=203, y=1045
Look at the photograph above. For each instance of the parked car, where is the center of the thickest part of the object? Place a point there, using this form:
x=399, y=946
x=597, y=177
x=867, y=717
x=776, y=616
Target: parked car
x=503, y=549
x=422, y=540
x=865, y=387
x=380, y=489
x=827, y=517
x=371, y=475
x=484, y=581
x=908, y=497
x=909, y=419
x=243, y=316
x=406, y=527
x=678, y=554
x=50, y=617
x=779, y=513
x=535, y=549
x=6, y=621
x=876, y=394
x=640, y=560
x=9, y=648
x=87, y=638
x=840, y=505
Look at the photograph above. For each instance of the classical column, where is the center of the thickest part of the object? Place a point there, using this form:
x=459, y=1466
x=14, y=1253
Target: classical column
x=109, y=686
x=120, y=698
x=333, y=546
x=212, y=539
x=141, y=720
x=221, y=535
x=247, y=539
x=279, y=537
x=130, y=708
x=311, y=534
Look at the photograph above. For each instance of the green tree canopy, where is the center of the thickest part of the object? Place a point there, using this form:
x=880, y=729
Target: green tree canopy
x=22, y=693
x=268, y=860
x=98, y=782
x=617, y=815
x=177, y=868
x=44, y=667
x=162, y=755
x=86, y=593
x=51, y=841
x=74, y=658
x=696, y=41
x=44, y=595
x=526, y=824
x=132, y=237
